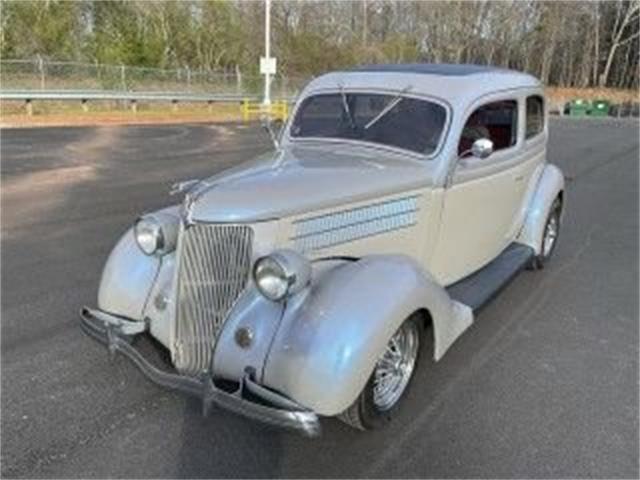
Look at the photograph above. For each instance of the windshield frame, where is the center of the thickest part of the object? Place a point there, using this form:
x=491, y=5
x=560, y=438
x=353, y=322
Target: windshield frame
x=444, y=135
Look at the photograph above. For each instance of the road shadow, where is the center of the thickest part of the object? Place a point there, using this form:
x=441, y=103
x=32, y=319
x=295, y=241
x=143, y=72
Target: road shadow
x=224, y=445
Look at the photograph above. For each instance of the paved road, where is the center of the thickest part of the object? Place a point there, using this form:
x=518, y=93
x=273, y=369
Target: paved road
x=545, y=384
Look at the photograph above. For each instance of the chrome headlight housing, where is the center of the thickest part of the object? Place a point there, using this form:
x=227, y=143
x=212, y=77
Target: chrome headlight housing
x=157, y=233
x=281, y=274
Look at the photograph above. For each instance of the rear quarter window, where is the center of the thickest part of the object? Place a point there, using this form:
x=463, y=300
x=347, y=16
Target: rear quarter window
x=535, y=116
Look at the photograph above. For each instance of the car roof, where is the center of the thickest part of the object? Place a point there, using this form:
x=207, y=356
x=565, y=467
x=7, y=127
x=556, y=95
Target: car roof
x=443, y=69
x=458, y=84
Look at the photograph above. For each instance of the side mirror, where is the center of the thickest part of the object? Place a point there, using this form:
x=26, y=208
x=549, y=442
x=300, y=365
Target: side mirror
x=482, y=148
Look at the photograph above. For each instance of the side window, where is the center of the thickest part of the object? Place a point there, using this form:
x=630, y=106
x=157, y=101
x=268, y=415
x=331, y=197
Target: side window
x=497, y=121
x=535, y=116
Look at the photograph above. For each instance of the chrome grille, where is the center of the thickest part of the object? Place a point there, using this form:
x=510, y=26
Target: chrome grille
x=214, y=265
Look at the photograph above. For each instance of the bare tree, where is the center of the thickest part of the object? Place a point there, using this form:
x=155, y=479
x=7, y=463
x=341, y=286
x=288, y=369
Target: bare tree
x=563, y=42
x=626, y=15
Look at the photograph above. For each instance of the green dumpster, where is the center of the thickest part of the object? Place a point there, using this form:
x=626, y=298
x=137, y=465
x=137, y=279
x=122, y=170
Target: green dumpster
x=579, y=108
x=600, y=108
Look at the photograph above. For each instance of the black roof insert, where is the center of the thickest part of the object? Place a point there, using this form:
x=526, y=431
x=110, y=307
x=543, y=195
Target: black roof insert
x=444, y=69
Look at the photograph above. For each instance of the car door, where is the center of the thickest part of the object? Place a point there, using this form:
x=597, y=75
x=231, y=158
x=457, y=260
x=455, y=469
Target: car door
x=483, y=199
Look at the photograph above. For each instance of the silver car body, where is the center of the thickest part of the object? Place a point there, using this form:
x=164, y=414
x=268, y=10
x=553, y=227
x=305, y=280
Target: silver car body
x=416, y=224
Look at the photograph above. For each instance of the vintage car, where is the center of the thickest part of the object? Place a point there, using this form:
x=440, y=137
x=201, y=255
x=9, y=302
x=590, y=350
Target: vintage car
x=399, y=198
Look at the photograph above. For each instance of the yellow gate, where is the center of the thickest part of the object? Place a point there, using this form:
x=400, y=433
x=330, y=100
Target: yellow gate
x=277, y=110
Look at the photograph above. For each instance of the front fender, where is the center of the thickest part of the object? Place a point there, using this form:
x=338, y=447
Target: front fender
x=550, y=185
x=129, y=275
x=330, y=337
x=127, y=279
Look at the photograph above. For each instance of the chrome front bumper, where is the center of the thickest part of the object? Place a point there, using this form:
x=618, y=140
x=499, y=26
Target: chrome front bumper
x=269, y=407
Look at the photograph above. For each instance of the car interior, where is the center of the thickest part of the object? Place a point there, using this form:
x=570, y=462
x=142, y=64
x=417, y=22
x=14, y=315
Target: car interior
x=497, y=121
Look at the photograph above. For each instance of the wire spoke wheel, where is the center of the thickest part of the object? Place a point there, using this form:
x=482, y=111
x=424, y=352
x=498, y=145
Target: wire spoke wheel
x=387, y=385
x=550, y=234
x=394, y=369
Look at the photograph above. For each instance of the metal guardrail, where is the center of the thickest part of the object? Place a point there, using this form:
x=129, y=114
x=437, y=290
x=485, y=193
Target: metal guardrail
x=86, y=95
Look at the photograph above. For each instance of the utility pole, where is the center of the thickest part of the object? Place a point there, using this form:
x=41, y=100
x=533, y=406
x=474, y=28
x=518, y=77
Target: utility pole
x=364, y=23
x=267, y=64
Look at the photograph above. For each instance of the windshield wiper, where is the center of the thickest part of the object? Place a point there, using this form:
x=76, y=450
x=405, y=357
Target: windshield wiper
x=392, y=103
x=345, y=105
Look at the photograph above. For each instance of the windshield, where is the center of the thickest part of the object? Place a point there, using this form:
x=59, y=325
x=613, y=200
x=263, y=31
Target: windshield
x=393, y=120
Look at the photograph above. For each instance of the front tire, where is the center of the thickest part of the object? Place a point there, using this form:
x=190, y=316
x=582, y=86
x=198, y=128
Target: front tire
x=549, y=236
x=386, y=388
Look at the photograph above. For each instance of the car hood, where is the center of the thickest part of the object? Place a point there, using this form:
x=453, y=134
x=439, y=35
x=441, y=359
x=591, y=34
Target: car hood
x=304, y=178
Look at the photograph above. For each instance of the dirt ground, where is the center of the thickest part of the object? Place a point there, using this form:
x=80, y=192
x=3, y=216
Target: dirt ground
x=557, y=97
x=612, y=94
x=49, y=114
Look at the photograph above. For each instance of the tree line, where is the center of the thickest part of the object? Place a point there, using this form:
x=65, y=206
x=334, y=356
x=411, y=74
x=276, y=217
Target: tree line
x=564, y=43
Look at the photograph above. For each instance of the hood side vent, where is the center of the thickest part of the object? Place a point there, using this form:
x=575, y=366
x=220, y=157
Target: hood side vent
x=329, y=230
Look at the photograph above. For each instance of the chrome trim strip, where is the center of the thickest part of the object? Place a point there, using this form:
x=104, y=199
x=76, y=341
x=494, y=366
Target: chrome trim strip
x=326, y=230
x=379, y=232
x=354, y=224
x=348, y=210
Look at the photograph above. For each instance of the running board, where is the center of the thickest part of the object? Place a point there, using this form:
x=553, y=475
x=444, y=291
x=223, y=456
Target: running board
x=481, y=287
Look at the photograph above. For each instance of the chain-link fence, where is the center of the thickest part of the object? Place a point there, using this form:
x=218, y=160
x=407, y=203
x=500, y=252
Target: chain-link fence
x=40, y=74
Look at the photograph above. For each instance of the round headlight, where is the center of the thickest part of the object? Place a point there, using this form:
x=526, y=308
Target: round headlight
x=149, y=235
x=271, y=278
x=280, y=274
x=157, y=233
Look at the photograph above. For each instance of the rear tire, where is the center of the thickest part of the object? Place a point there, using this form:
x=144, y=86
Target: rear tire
x=387, y=387
x=549, y=237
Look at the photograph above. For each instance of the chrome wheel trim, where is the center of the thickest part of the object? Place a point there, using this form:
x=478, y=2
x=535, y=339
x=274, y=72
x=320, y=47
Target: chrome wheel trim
x=550, y=235
x=395, y=367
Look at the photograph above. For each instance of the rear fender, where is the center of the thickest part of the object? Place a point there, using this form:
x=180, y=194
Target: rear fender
x=550, y=186
x=332, y=334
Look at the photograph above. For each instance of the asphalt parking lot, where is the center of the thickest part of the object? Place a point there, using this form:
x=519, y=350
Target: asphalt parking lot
x=545, y=384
